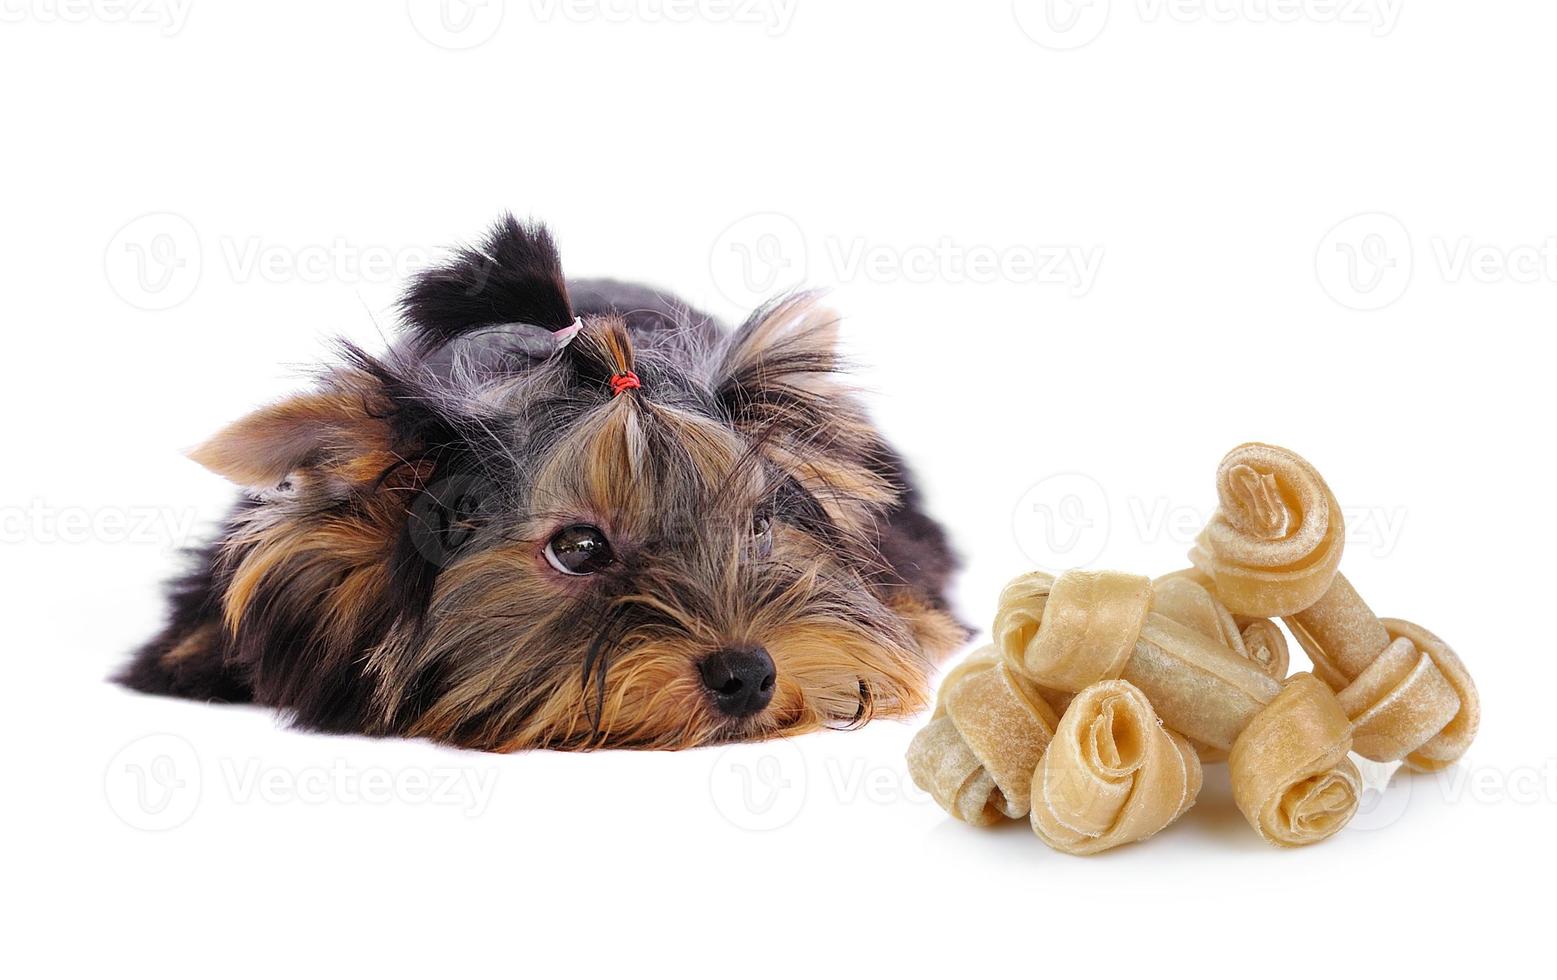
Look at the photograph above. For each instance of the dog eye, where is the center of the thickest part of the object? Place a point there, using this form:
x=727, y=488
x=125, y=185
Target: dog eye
x=762, y=530
x=581, y=549
x=456, y=522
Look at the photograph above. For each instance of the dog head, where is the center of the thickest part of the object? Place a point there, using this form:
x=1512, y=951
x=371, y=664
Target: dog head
x=517, y=529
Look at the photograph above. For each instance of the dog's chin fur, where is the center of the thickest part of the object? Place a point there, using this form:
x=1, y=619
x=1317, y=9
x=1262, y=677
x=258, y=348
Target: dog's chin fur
x=386, y=570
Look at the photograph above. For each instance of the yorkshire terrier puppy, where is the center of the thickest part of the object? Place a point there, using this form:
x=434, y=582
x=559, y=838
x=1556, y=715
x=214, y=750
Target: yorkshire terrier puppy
x=570, y=516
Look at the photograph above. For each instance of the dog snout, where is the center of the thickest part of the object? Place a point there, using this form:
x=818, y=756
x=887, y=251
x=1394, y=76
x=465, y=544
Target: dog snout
x=739, y=680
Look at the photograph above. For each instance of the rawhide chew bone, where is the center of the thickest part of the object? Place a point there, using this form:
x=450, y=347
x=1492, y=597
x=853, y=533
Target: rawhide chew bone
x=1186, y=597
x=1112, y=774
x=1408, y=694
x=1084, y=627
x=977, y=756
x=1183, y=598
x=1275, y=541
x=1291, y=776
x=1273, y=548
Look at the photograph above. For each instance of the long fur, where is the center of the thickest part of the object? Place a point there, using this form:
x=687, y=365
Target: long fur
x=384, y=571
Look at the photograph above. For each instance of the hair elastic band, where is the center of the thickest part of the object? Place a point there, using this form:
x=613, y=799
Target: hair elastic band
x=622, y=382
x=565, y=336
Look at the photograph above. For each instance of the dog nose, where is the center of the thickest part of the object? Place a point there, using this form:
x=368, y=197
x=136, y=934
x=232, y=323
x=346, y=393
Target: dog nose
x=741, y=681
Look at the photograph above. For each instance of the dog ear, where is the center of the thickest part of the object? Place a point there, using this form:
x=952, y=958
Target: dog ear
x=331, y=429
x=513, y=277
x=780, y=383
x=781, y=366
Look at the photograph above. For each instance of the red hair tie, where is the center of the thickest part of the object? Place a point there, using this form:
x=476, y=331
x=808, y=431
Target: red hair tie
x=621, y=382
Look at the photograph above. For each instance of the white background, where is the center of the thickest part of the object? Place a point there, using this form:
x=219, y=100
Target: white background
x=1204, y=162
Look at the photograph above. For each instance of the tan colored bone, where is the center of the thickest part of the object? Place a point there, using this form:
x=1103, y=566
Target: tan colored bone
x=1408, y=694
x=1275, y=541
x=1089, y=627
x=1188, y=596
x=990, y=728
x=1273, y=549
x=1084, y=627
x=1185, y=599
x=1291, y=776
x=1112, y=774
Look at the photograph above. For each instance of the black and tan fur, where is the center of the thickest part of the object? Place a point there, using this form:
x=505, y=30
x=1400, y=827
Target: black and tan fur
x=384, y=572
